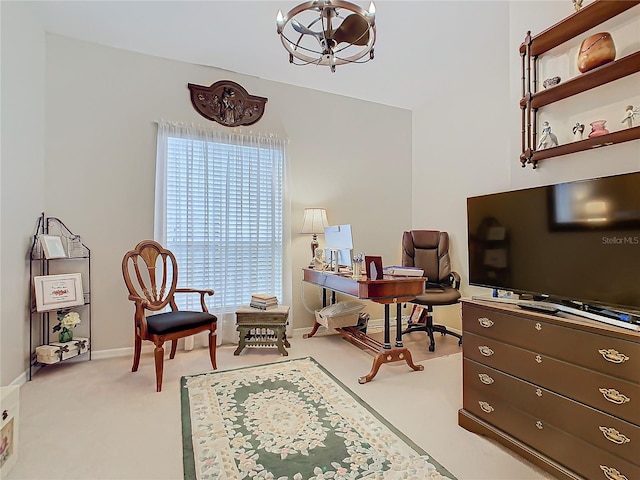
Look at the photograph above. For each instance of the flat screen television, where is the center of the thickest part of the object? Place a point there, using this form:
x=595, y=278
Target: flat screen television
x=575, y=243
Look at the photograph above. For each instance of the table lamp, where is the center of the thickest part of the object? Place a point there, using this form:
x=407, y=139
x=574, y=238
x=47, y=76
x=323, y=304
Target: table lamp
x=313, y=222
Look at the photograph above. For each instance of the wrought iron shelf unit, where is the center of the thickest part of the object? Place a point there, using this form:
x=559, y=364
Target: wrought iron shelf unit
x=532, y=99
x=77, y=259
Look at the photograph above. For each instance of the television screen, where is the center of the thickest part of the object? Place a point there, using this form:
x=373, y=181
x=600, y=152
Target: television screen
x=577, y=241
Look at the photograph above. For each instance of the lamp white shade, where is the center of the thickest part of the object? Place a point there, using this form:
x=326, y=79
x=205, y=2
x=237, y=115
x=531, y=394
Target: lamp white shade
x=314, y=221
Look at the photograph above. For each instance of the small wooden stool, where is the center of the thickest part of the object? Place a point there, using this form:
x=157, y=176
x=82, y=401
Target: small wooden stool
x=262, y=328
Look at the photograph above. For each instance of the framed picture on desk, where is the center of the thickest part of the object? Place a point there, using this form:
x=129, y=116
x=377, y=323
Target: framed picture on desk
x=373, y=267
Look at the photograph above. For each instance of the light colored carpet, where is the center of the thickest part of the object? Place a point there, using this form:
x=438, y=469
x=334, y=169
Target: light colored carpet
x=98, y=420
x=418, y=344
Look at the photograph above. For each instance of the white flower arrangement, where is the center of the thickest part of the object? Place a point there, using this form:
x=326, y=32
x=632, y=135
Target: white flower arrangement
x=67, y=321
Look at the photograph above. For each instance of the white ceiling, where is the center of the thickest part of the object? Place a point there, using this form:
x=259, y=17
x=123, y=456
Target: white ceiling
x=414, y=39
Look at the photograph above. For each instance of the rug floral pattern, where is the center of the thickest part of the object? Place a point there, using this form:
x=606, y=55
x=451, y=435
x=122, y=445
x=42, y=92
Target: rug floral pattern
x=291, y=421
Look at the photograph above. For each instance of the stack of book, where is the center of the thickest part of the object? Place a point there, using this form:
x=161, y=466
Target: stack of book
x=263, y=301
x=399, y=271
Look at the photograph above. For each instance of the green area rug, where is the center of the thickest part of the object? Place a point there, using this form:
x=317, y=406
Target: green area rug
x=291, y=420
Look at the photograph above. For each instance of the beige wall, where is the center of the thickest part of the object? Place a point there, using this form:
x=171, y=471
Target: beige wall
x=101, y=144
x=21, y=177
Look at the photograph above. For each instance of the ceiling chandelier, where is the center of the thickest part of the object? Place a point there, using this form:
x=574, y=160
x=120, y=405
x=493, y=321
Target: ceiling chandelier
x=328, y=32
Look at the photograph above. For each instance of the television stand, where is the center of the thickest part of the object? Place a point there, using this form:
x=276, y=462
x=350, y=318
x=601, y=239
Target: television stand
x=556, y=389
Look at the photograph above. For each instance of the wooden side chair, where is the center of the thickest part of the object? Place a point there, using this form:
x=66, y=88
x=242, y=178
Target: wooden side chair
x=151, y=275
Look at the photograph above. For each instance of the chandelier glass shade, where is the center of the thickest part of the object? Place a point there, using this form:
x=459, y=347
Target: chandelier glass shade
x=328, y=33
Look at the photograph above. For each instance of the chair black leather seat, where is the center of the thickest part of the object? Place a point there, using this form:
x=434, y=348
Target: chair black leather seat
x=170, y=322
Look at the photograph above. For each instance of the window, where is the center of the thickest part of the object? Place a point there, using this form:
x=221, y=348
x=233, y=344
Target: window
x=219, y=209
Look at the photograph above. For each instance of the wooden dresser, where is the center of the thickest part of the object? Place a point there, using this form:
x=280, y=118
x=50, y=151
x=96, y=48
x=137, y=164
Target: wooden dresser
x=560, y=390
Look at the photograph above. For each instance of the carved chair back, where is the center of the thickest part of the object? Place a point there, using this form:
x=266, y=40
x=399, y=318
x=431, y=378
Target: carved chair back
x=151, y=272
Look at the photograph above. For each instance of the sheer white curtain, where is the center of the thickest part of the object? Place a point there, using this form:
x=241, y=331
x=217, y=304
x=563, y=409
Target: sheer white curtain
x=220, y=207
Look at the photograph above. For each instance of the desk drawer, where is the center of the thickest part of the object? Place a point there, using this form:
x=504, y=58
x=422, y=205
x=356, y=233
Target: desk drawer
x=600, y=429
x=575, y=454
x=603, y=392
x=613, y=356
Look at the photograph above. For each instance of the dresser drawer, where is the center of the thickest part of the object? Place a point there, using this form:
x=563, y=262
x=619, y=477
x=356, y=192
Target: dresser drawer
x=600, y=429
x=603, y=392
x=613, y=356
x=575, y=454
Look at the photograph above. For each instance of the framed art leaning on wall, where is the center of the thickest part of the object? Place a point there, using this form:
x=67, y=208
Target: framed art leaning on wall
x=52, y=246
x=53, y=292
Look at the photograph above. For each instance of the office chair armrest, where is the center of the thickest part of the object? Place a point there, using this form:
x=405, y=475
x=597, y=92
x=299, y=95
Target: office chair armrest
x=454, y=278
x=202, y=294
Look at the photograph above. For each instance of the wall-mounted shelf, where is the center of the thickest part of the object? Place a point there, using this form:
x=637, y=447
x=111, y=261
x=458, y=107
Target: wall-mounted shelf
x=620, y=136
x=532, y=99
x=594, y=78
x=588, y=17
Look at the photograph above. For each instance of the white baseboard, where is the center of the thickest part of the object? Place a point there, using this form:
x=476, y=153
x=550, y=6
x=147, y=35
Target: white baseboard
x=375, y=325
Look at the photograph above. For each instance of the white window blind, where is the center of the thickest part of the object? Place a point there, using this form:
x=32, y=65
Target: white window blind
x=219, y=209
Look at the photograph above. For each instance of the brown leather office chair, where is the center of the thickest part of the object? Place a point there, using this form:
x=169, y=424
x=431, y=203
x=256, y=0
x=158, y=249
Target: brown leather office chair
x=151, y=275
x=429, y=250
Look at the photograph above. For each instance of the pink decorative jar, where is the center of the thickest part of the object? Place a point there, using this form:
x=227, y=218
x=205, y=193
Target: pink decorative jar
x=597, y=128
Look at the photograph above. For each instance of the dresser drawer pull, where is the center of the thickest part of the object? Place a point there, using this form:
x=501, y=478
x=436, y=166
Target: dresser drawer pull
x=538, y=359
x=614, y=435
x=539, y=392
x=614, y=396
x=5, y=414
x=613, y=356
x=486, y=407
x=612, y=474
x=486, y=379
x=485, y=322
x=486, y=351
x=538, y=326
x=539, y=425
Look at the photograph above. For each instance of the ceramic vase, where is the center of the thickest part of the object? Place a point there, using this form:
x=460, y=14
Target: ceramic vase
x=596, y=50
x=597, y=128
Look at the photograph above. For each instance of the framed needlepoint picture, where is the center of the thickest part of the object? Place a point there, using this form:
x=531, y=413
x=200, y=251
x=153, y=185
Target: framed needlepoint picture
x=58, y=291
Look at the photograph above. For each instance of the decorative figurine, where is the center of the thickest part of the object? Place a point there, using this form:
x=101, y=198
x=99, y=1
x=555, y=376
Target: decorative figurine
x=547, y=139
x=630, y=115
x=551, y=82
x=597, y=128
x=318, y=260
x=577, y=4
x=578, y=130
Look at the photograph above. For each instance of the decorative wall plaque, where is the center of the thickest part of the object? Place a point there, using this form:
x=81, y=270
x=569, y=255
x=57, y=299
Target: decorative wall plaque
x=227, y=103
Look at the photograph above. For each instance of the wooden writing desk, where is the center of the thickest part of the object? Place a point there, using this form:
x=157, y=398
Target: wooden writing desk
x=387, y=291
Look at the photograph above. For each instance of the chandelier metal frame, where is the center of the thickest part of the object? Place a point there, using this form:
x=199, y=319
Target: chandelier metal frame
x=310, y=47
